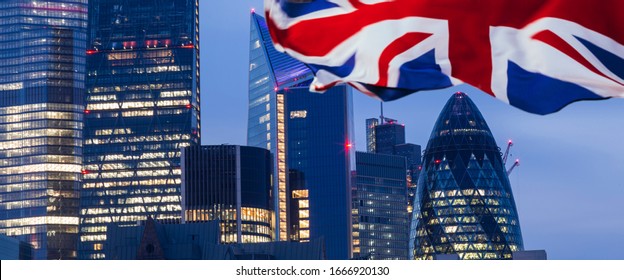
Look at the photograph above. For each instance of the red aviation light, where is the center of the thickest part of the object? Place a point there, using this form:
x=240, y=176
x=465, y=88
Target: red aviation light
x=189, y=46
x=87, y=111
x=253, y=10
x=437, y=161
x=90, y=52
x=188, y=106
x=84, y=172
x=348, y=145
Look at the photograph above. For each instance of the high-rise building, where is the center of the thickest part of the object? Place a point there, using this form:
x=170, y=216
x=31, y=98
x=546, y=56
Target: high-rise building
x=318, y=129
x=370, y=134
x=42, y=83
x=412, y=154
x=464, y=204
x=231, y=184
x=269, y=72
x=387, y=135
x=389, y=138
x=380, y=219
x=142, y=108
x=299, y=210
x=309, y=135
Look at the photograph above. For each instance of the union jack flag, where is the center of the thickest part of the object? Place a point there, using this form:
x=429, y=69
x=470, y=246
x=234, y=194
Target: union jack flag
x=537, y=55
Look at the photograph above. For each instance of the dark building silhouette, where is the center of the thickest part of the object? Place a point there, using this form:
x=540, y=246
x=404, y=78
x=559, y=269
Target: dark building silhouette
x=197, y=241
x=464, y=204
x=388, y=134
x=42, y=86
x=412, y=154
x=13, y=249
x=231, y=184
x=142, y=108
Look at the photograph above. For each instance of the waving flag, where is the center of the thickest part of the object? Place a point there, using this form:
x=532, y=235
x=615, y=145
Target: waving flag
x=537, y=55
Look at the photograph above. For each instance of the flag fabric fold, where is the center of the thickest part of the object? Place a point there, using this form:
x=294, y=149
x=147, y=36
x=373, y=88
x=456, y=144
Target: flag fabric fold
x=536, y=55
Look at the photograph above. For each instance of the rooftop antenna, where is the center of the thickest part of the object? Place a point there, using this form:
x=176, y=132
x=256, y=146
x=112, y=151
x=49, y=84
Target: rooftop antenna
x=382, y=117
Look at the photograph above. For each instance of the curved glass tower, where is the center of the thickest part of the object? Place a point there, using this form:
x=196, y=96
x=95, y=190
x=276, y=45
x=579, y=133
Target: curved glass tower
x=464, y=203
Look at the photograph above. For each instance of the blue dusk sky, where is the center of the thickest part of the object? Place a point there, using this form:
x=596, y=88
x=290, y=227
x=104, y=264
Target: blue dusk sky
x=569, y=188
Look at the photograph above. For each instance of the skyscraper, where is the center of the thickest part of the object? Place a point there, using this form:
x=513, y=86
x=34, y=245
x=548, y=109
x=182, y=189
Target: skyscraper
x=231, y=184
x=41, y=119
x=309, y=136
x=464, y=204
x=387, y=135
x=412, y=154
x=389, y=138
x=370, y=134
x=269, y=72
x=142, y=107
x=381, y=221
x=319, y=149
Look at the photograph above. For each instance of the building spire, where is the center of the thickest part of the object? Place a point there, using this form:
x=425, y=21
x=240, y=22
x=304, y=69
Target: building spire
x=382, y=116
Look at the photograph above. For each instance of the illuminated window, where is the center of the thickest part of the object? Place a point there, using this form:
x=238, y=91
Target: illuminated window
x=302, y=114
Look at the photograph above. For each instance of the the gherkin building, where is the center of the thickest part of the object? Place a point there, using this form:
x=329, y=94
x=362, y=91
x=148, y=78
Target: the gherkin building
x=463, y=203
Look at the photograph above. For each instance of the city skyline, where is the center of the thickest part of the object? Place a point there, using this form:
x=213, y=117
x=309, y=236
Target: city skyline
x=569, y=160
x=568, y=188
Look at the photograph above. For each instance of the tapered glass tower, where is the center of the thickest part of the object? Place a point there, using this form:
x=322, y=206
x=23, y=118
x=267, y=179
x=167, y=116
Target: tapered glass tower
x=42, y=82
x=463, y=204
x=309, y=137
x=142, y=108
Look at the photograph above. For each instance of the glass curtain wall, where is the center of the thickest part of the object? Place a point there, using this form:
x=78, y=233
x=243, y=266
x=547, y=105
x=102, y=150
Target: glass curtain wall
x=42, y=66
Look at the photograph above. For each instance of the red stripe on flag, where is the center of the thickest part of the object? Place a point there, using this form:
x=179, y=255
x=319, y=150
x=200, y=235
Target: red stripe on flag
x=555, y=41
x=395, y=48
x=357, y=4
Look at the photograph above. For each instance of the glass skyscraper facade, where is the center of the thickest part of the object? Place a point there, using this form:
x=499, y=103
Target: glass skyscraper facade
x=412, y=154
x=309, y=136
x=389, y=138
x=388, y=135
x=318, y=130
x=380, y=218
x=231, y=184
x=464, y=204
x=370, y=134
x=269, y=72
x=42, y=83
x=142, y=108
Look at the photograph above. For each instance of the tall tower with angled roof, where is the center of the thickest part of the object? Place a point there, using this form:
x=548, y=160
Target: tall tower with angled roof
x=463, y=204
x=310, y=139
